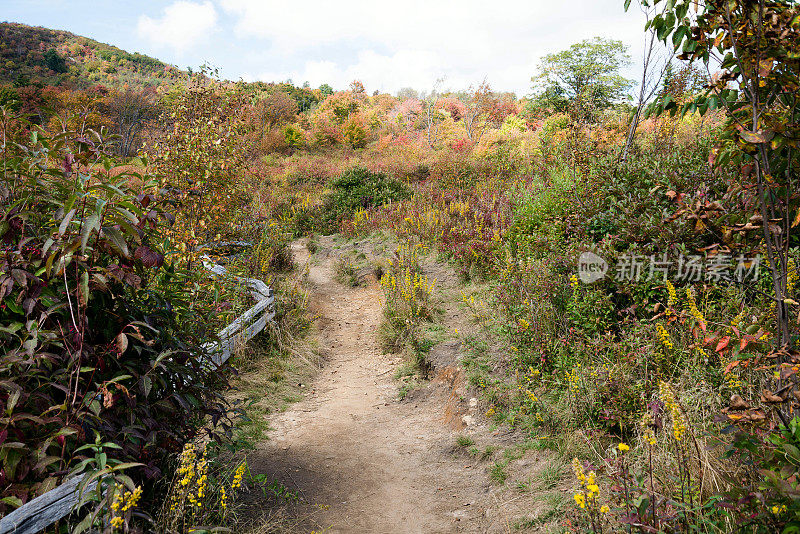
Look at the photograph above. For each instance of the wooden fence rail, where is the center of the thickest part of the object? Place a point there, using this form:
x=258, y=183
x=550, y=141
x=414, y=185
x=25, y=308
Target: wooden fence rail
x=41, y=512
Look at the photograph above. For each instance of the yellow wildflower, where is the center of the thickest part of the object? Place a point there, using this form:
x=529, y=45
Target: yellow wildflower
x=237, y=477
x=663, y=336
x=573, y=281
x=698, y=316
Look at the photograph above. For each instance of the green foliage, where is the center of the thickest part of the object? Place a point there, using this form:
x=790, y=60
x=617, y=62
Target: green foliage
x=770, y=501
x=111, y=483
x=54, y=61
x=9, y=98
x=759, y=43
x=543, y=210
x=358, y=188
x=629, y=198
x=293, y=136
x=464, y=441
x=100, y=333
x=585, y=76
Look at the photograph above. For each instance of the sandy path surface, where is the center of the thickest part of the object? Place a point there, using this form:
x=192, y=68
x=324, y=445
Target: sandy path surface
x=361, y=460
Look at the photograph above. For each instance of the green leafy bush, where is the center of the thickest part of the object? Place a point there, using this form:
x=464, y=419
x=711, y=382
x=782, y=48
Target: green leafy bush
x=95, y=336
x=358, y=188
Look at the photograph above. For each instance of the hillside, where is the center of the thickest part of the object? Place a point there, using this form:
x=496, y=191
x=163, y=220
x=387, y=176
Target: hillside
x=44, y=56
x=445, y=311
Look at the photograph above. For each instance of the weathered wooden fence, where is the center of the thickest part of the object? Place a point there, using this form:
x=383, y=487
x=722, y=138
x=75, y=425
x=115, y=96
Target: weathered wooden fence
x=248, y=324
x=41, y=512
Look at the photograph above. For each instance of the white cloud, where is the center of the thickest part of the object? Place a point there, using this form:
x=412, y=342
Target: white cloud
x=390, y=45
x=182, y=25
x=417, y=68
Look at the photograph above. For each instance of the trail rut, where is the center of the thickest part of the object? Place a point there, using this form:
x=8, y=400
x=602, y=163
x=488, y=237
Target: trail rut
x=361, y=460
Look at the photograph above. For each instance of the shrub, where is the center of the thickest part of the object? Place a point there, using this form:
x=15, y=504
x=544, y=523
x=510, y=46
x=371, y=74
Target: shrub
x=54, y=61
x=293, y=136
x=355, y=135
x=358, y=189
x=96, y=328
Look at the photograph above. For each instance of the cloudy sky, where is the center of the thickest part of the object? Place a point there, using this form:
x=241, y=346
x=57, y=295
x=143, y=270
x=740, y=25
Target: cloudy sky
x=387, y=45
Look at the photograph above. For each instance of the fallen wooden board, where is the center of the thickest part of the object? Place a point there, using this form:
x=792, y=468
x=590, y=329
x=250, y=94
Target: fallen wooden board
x=41, y=512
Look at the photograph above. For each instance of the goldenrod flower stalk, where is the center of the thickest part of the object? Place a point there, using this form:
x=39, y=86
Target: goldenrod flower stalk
x=591, y=490
x=678, y=420
x=663, y=336
x=698, y=316
x=573, y=377
x=123, y=501
x=237, y=477
x=672, y=299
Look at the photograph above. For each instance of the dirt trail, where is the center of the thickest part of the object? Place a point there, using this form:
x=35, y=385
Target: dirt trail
x=360, y=460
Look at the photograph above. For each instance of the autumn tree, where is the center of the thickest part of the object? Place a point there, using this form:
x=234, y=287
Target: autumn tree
x=477, y=102
x=130, y=110
x=274, y=110
x=198, y=161
x=77, y=110
x=755, y=47
x=406, y=93
x=358, y=90
x=407, y=112
x=453, y=106
x=499, y=107
x=432, y=116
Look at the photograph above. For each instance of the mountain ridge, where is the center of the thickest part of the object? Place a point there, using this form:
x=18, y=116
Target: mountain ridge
x=46, y=56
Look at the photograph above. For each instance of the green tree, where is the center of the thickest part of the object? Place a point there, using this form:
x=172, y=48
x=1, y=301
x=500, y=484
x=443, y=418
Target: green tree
x=585, y=77
x=54, y=61
x=9, y=98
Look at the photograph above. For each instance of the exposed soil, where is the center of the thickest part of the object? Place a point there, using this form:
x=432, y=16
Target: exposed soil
x=360, y=459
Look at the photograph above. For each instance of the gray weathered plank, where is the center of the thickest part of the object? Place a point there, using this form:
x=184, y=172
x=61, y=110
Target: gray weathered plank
x=245, y=318
x=41, y=512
